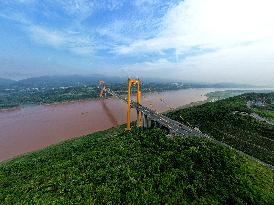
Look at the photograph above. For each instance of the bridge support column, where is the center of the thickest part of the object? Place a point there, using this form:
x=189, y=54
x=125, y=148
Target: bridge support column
x=147, y=122
x=144, y=120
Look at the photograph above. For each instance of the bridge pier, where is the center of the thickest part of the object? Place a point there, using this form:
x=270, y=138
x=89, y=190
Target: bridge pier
x=146, y=121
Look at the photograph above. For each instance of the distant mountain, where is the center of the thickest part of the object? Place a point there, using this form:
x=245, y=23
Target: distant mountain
x=233, y=85
x=6, y=82
x=203, y=84
x=80, y=80
x=63, y=81
x=221, y=85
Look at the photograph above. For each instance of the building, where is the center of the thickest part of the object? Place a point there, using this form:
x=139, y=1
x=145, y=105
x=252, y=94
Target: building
x=259, y=103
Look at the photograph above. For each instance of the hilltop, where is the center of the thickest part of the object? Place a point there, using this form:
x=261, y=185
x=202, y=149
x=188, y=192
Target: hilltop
x=144, y=166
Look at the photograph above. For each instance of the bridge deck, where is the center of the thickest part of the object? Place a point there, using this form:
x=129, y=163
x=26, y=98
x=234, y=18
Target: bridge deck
x=172, y=125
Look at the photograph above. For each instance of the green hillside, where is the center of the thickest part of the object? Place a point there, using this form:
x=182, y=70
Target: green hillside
x=142, y=167
x=231, y=121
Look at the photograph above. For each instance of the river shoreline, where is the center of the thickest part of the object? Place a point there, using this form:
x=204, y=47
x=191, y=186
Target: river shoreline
x=73, y=101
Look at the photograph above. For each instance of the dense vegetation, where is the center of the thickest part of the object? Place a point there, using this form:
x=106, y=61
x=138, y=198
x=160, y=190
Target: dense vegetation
x=16, y=97
x=230, y=121
x=142, y=167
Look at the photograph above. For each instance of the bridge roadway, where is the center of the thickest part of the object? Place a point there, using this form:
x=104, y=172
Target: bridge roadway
x=172, y=125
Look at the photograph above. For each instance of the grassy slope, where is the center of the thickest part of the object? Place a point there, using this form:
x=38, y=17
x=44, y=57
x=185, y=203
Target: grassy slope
x=236, y=129
x=143, y=167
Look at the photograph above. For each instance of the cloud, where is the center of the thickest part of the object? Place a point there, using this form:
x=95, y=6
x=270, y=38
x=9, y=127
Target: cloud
x=71, y=35
x=115, y=31
x=233, y=42
x=16, y=16
x=74, y=42
x=42, y=35
x=206, y=40
x=77, y=7
x=251, y=63
x=141, y=3
x=22, y=1
x=209, y=24
x=66, y=38
x=85, y=8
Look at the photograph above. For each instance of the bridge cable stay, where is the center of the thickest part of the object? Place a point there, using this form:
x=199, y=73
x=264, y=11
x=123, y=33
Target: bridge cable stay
x=150, y=102
x=173, y=109
x=167, y=105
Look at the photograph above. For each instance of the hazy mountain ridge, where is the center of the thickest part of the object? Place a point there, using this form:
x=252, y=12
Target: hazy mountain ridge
x=66, y=80
x=6, y=82
x=80, y=80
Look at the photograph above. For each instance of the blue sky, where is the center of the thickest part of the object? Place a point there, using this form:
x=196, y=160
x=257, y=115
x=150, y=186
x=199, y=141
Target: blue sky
x=193, y=40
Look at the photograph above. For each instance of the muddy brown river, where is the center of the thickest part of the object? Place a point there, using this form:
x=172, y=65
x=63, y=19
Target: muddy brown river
x=32, y=128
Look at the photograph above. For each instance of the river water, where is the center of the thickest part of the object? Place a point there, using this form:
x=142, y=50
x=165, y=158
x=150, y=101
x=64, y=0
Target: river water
x=32, y=128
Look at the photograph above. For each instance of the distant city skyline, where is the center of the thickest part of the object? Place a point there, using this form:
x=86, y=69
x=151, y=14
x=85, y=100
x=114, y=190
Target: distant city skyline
x=192, y=40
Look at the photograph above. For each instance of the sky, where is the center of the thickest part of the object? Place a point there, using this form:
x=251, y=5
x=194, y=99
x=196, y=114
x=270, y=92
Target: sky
x=191, y=40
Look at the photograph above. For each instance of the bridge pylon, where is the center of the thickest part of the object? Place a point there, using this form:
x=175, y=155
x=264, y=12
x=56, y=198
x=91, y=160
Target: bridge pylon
x=131, y=82
x=137, y=83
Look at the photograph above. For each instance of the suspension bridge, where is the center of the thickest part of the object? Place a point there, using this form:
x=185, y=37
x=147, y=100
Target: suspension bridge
x=147, y=118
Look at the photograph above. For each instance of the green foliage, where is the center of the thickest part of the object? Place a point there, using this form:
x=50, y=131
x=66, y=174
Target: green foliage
x=141, y=167
x=229, y=121
x=12, y=98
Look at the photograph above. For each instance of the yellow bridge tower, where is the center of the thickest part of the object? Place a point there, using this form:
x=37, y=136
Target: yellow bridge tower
x=131, y=82
x=137, y=83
